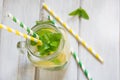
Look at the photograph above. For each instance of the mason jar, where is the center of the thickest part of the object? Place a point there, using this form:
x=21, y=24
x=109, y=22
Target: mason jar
x=52, y=60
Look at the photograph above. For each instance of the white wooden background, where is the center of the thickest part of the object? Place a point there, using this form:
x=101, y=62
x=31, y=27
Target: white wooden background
x=101, y=32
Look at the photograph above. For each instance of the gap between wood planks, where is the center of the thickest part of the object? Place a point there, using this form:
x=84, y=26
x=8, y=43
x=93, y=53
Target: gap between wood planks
x=41, y=16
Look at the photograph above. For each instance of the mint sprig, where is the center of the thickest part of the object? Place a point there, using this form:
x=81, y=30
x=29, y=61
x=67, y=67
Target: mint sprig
x=51, y=41
x=80, y=12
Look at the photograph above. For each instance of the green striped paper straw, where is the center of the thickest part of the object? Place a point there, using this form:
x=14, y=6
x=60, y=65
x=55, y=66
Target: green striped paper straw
x=81, y=65
x=50, y=18
x=23, y=26
x=77, y=59
x=53, y=20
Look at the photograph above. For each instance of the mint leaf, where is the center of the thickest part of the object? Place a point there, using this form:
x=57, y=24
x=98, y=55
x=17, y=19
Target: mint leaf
x=46, y=38
x=51, y=41
x=57, y=36
x=80, y=12
x=56, y=61
x=33, y=43
x=83, y=13
x=75, y=12
x=42, y=49
x=55, y=44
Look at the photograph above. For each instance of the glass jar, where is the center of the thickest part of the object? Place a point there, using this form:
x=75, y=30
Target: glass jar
x=52, y=60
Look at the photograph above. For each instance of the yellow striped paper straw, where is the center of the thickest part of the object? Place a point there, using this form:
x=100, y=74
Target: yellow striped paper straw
x=76, y=36
x=20, y=34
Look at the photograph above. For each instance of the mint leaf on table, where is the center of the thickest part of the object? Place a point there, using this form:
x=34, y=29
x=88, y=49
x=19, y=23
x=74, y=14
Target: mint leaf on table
x=83, y=14
x=74, y=13
x=80, y=12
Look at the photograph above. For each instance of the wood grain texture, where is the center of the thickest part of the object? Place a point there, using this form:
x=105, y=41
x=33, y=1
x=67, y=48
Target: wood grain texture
x=1, y=7
x=62, y=9
x=9, y=59
x=30, y=13
x=102, y=33
x=14, y=66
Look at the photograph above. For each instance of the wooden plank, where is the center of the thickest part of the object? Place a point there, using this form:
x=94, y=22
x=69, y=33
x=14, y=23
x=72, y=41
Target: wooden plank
x=14, y=66
x=1, y=6
x=102, y=33
x=62, y=8
x=31, y=14
x=9, y=57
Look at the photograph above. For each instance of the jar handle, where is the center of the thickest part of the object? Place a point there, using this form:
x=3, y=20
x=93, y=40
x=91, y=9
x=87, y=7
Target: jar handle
x=21, y=46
